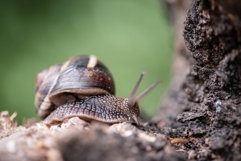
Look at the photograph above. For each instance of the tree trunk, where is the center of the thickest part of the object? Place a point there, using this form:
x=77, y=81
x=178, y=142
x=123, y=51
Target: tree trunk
x=207, y=105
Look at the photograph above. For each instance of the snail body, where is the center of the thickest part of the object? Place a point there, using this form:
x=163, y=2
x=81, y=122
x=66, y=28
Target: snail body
x=83, y=87
x=103, y=108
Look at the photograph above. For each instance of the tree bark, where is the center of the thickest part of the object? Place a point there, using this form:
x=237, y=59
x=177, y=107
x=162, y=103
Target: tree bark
x=207, y=106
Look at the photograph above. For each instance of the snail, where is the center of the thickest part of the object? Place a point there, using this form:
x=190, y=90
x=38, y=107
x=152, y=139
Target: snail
x=83, y=87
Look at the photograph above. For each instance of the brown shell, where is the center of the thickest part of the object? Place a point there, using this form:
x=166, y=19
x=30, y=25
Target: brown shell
x=80, y=76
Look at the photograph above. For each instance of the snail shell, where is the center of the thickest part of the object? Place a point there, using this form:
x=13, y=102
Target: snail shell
x=80, y=76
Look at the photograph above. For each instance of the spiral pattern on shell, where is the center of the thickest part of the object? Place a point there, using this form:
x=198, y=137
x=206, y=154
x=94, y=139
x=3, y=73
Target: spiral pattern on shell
x=77, y=78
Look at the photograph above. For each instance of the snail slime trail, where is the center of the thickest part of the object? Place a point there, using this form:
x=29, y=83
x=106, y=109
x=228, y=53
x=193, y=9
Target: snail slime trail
x=84, y=87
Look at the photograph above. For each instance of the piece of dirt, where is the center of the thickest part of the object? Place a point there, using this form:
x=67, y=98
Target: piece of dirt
x=76, y=139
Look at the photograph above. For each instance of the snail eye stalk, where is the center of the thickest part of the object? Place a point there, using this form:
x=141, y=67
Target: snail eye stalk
x=133, y=98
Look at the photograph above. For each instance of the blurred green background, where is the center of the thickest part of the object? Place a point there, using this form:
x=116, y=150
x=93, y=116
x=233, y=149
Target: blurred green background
x=129, y=36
